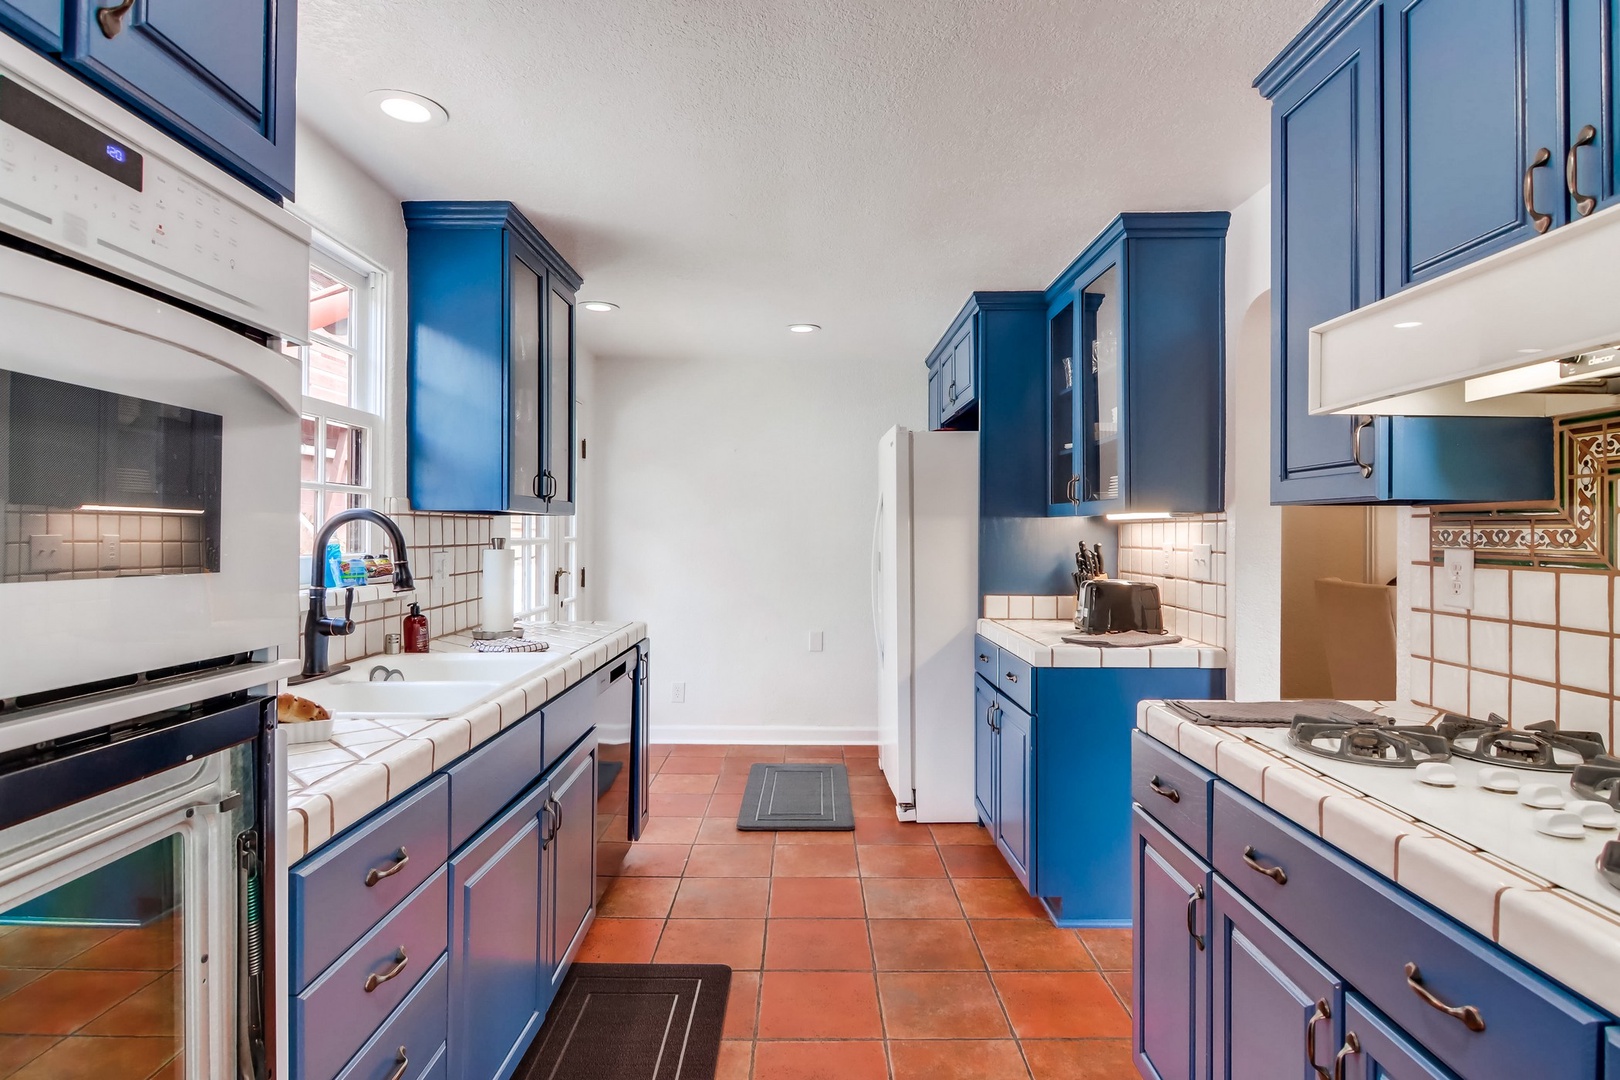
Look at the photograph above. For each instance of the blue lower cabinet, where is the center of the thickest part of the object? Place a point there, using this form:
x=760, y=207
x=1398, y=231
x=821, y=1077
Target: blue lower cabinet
x=1375, y=1049
x=1015, y=760
x=985, y=765
x=499, y=957
x=1170, y=1012
x=38, y=22
x=220, y=75
x=572, y=854
x=1612, y=1055
x=411, y=1044
x=1275, y=1010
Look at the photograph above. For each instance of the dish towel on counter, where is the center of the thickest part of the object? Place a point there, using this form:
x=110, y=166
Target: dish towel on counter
x=510, y=644
x=1272, y=713
x=1125, y=639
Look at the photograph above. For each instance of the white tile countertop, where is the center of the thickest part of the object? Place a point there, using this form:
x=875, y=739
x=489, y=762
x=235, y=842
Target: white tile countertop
x=1475, y=858
x=331, y=785
x=1039, y=643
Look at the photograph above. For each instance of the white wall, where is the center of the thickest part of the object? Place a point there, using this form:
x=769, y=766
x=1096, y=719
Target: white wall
x=734, y=510
x=1254, y=566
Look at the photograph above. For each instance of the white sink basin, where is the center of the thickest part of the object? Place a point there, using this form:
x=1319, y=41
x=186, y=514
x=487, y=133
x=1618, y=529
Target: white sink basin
x=501, y=668
x=417, y=700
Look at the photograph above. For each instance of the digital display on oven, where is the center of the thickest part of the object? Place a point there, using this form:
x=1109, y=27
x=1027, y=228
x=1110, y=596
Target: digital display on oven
x=31, y=114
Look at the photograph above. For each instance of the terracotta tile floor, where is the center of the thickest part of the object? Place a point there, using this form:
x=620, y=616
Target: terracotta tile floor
x=896, y=952
x=89, y=1002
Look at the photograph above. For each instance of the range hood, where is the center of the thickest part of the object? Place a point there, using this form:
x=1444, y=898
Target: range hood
x=1530, y=331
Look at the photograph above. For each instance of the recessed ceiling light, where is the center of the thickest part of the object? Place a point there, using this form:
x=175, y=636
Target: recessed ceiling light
x=409, y=108
x=803, y=327
x=598, y=305
x=1407, y=325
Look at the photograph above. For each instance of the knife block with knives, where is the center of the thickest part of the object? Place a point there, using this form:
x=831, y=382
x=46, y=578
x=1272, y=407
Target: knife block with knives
x=1105, y=605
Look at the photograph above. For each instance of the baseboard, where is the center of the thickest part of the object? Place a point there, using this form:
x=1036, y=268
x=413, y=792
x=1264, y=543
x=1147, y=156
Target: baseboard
x=763, y=735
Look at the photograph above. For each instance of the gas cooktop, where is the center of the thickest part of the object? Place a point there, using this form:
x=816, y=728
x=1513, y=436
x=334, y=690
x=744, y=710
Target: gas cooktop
x=1543, y=746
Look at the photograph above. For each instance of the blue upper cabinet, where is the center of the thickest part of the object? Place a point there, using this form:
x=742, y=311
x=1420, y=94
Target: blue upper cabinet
x=1346, y=228
x=219, y=74
x=1136, y=371
x=491, y=410
x=1471, y=117
x=1592, y=160
x=953, y=378
x=38, y=22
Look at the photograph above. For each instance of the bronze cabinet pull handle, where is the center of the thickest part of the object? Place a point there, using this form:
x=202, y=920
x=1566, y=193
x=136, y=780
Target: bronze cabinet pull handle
x=111, y=19
x=401, y=1062
x=400, y=960
x=1323, y=1012
x=1275, y=873
x=1584, y=204
x=983, y=659
x=374, y=876
x=1467, y=1014
x=1168, y=792
x=1011, y=676
x=1351, y=1047
x=1541, y=221
x=1192, y=913
x=1362, y=424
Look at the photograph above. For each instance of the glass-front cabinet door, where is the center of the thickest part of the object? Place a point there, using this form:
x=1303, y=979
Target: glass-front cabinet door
x=557, y=483
x=1100, y=374
x=526, y=376
x=1063, y=473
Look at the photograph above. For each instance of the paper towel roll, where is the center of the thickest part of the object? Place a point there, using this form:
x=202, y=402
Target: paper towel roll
x=496, y=603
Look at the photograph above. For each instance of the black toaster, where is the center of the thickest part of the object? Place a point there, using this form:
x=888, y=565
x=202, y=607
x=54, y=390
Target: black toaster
x=1106, y=606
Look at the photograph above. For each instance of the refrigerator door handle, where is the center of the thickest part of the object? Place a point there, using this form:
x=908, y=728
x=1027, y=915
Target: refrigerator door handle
x=877, y=580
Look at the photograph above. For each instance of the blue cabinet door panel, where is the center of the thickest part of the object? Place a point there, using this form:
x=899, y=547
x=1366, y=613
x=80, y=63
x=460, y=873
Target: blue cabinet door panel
x=1470, y=97
x=1593, y=53
x=1015, y=794
x=1375, y=1049
x=1326, y=166
x=1273, y=1006
x=573, y=855
x=220, y=73
x=1170, y=1019
x=38, y=22
x=984, y=753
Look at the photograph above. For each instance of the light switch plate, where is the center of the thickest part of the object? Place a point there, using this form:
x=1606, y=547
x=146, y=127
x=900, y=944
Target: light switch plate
x=817, y=641
x=46, y=554
x=1456, y=586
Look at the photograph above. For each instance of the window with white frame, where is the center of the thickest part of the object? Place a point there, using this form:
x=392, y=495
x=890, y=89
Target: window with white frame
x=546, y=584
x=343, y=391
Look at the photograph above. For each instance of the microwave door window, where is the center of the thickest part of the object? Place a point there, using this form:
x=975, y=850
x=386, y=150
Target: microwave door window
x=97, y=484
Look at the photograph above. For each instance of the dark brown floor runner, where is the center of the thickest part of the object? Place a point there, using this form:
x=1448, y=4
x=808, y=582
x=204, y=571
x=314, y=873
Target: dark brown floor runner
x=632, y=1022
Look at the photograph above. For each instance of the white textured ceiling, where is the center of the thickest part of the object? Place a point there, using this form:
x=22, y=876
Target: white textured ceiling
x=721, y=168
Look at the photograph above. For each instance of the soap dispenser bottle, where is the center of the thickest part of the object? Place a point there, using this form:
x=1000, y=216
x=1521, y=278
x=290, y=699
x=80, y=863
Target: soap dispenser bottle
x=416, y=630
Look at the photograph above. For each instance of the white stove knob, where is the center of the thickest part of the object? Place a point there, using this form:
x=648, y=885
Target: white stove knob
x=1503, y=780
x=1560, y=823
x=1596, y=815
x=1542, y=796
x=1437, y=774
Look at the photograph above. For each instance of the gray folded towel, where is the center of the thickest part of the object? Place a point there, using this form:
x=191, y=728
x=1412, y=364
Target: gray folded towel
x=510, y=644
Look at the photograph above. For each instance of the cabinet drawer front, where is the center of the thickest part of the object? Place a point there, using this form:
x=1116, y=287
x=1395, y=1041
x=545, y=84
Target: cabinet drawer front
x=483, y=783
x=1368, y=930
x=331, y=904
x=984, y=659
x=1015, y=679
x=1173, y=791
x=568, y=718
x=337, y=1014
x=413, y=1036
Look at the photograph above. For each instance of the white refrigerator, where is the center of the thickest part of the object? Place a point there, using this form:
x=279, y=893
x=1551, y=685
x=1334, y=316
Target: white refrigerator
x=925, y=606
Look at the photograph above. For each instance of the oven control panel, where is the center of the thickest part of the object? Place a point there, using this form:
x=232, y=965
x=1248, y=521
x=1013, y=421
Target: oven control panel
x=72, y=183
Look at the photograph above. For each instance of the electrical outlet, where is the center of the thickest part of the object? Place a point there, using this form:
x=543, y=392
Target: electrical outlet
x=108, y=552
x=1203, y=562
x=678, y=693
x=1166, y=554
x=1457, y=582
x=46, y=554
x=440, y=558
x=817, y=641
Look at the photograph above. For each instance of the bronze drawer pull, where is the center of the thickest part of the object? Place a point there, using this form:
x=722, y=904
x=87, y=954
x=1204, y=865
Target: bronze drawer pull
x=1192, y=914
x=1584, y=204
x=400, y=960
x=1010, y=676
x=111, y=19
x=1323, y=1012
x=1351, y=1047
x=401, y=1063
x=983, y=659
x=1275, y=873
x=1542, y=222
x=374, y=876
x=1467, y=1014
x=1167, y=792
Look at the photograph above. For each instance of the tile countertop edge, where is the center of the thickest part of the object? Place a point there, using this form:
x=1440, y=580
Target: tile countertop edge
x=1038, y=642
x=333, y=785
x=1495, y=899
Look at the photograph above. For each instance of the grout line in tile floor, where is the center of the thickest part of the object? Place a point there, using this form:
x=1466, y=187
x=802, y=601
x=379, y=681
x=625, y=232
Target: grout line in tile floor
x=945, y=998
